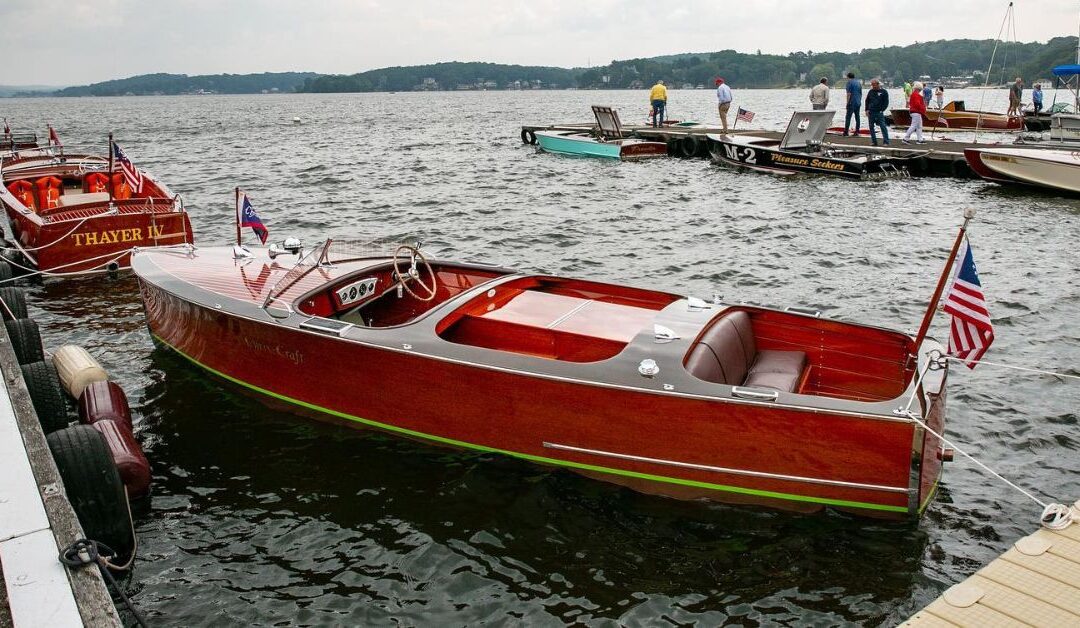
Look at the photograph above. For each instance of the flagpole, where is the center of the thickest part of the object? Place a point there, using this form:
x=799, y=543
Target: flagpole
x=969, y=213
x=237, y=205
x=109, y=184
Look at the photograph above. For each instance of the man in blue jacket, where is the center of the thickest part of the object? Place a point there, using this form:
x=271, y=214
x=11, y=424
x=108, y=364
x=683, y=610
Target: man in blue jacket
x=854, y=99
x=877, y=103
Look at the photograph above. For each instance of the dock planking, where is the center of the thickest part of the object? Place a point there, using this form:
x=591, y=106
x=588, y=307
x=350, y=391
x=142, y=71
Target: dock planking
x=1036, y=582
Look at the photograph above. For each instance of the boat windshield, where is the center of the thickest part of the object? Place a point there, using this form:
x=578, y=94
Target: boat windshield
x=330, y=252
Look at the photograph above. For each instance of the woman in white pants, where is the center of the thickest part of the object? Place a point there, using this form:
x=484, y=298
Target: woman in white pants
x=917, y=109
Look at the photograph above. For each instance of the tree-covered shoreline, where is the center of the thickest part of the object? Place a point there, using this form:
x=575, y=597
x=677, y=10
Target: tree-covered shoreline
x=957, y=61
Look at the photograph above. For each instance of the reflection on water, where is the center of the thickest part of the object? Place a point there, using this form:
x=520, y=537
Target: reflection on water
x=261, y=517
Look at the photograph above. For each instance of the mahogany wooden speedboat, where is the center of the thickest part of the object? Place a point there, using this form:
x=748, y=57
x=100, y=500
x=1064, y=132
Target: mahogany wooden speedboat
x=954, y=116
x=649, y=389
x=69, y=213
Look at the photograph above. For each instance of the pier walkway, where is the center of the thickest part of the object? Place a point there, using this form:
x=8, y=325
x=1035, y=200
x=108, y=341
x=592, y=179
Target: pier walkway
x=36, y=520
x=1035, y=583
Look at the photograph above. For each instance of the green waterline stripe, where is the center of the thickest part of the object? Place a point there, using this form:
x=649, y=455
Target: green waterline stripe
x=535, y=458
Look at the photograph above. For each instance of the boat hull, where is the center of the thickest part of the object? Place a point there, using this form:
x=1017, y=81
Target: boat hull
x=941, y=120
x=584, y=145
x=86, y=232
x=766, y=159
x=1046, y=168
x=683, y=446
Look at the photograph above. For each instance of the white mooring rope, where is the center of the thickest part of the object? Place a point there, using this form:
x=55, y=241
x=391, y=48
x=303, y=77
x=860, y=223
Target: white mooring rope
x=1010, y=366
x=1054, y=516
x=51, y=273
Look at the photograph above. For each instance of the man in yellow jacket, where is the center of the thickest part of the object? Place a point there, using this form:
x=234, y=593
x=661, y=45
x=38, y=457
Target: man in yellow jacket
x=658, y=96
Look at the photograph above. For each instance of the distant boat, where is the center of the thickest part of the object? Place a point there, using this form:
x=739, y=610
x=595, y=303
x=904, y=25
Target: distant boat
x=954, y=116
x=71, y=213
x=801, y=151
x=1048, y=168
x=609, y=142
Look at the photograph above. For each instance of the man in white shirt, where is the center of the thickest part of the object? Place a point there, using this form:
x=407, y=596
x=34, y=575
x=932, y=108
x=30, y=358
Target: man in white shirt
x=723, y=100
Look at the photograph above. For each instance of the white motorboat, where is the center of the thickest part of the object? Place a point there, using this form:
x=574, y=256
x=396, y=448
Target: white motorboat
x=1056, y=169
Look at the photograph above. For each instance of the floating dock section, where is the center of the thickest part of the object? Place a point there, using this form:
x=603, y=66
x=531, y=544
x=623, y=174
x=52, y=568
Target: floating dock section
x=1035, y=583
x=935, y=157
x=36, y=520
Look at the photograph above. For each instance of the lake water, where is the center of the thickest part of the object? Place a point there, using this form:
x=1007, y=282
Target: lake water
x=259, y=517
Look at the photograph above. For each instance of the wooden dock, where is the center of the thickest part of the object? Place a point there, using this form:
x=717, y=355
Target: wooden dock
x=937, y=157
x=1035, y=583
x=36, y=520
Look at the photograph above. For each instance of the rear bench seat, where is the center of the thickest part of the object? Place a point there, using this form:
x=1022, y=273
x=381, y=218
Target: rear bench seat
x=727, y=354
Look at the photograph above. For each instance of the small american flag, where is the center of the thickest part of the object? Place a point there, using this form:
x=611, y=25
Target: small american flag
x=54, y=139
x=7, y=129
x=972, y=332
x=132, y=175
x=745, y=115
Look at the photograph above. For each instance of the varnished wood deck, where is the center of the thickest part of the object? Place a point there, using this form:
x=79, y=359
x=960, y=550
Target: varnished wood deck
x=1035, y=583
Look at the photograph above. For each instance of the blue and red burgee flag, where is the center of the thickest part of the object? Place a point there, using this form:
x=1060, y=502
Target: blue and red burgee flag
x=132, y=174
x=248, y=218
x=972, y=332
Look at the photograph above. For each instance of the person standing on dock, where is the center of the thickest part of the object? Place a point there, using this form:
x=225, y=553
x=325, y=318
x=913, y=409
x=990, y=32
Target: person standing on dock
x=1036, y=98
x=819, y=95
x=939, y=96
x=658, y=98
x=723, y=101
x=854, y=99
x=877, y=103
x=907, y=90
x=1016, y=92
x=917, y=108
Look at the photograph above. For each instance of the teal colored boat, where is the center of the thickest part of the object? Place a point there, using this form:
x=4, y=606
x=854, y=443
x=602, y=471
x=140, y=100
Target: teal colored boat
x=608, y=143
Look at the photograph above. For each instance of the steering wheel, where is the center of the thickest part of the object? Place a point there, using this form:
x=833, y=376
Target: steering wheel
x=414, y=272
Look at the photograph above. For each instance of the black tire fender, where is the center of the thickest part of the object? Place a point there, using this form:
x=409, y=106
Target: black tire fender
x=15, y=301
x=93, y=486
x=688, y=146
x=528, y=136
x=6, y=271
x=25, y=340
x=47, y=395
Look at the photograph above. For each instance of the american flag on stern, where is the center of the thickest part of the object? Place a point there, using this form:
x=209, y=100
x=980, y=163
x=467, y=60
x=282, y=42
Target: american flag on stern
x=745, y=115
x=54, y=139
x=132, y=175
x=972, y=332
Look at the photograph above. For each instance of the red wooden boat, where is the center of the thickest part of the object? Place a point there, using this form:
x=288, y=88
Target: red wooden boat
x=652, y=390
x=70, y=213
x=955, y=117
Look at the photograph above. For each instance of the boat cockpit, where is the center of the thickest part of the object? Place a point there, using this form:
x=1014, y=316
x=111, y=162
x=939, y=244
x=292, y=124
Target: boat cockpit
x=48, y=188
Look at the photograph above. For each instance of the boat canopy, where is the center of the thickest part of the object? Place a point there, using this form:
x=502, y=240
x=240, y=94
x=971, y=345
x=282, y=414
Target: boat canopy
x=1067, y=70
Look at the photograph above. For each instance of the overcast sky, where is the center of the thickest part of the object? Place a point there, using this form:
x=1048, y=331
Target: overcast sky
x=74, y=42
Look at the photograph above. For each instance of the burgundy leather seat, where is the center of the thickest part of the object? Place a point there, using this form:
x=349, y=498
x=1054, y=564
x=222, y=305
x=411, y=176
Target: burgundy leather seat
x=727, y=354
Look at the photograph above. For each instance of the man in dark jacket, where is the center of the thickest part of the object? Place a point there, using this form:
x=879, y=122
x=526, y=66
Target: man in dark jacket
x=877, y=103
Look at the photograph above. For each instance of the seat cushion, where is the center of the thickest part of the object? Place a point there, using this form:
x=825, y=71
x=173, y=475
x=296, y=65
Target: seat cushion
x=725, y=344
x=703, y=364
x=785, y=382
x=780, y=370
x=772, y=361
x=741, y=322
